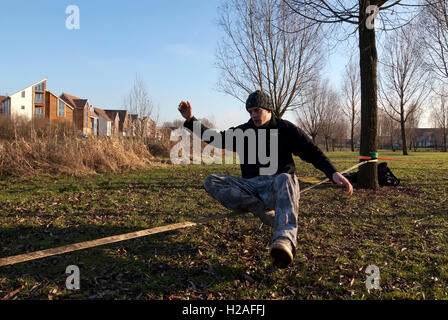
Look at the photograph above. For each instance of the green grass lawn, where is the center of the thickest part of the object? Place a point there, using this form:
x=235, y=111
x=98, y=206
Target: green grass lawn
x=403, y=231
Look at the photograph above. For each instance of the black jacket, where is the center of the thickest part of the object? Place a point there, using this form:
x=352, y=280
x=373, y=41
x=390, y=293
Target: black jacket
x=291, y=141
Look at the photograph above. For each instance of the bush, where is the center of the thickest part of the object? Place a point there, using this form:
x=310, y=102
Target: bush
x=32, y=147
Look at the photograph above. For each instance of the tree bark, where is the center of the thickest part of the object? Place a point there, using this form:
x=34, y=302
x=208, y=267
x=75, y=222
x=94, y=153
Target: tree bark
x=444, y=140
x=352, y=134
x=403, y=138
x=368, y=177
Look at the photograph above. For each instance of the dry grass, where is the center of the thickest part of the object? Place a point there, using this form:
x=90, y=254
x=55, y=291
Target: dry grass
x=34, y=147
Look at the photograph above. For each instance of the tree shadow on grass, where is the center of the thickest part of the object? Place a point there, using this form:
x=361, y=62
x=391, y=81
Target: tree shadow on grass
x=158, y=266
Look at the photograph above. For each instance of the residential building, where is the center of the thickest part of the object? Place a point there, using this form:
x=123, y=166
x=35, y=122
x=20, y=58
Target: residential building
x=27, y=103
x=122, y=128
x=104, y=122
x=115, y=118
x=36, y=101
x=428, y=137
x=149, y=127
x=84, y=117
x=57, y=109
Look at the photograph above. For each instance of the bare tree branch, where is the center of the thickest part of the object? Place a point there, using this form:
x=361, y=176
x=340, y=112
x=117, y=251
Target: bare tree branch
x=256, y=53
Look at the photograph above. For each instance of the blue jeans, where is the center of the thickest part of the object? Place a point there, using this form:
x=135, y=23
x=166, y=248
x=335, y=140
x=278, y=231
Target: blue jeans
x=270, y=192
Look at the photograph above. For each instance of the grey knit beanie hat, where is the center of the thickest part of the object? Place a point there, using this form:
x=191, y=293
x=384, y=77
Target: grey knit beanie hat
x=259, y=99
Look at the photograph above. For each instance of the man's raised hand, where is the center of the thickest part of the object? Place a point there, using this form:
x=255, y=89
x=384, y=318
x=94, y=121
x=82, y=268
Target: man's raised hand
x=185, y=110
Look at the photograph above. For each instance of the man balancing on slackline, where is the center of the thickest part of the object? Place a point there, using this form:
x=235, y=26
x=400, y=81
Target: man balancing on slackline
x=262, y=190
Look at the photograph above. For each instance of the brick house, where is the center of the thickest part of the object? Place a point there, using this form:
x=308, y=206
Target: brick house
x=84, y=117
x=149, y=127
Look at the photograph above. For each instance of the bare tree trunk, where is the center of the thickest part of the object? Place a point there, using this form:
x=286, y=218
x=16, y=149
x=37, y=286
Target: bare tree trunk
x=352, y=136
x=444, y=140
x=403, y=137
x=368, y=178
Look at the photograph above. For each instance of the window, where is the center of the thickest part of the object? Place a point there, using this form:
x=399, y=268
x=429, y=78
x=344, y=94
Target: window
x=95, y=126
x=39, y=113
x=39, y=98
x=6, y=109
x=61, y=109
x=23, y=107
x=23, y=94
x=39, y=87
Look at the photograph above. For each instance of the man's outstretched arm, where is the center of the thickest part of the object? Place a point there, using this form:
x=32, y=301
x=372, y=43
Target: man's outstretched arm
x=186, y=111
x=309, y=152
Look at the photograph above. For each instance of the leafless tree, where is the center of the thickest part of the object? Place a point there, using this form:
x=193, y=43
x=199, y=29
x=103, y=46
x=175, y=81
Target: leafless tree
x=388, y=130
x=332, y=116
x=174, y=124
x=340, y=134
x=440, y=117
x=261, y=50
x=361, y=15
x=311, y=116
x=208, y=122
x=351, y=97
x=412, y=126
x=139, y=102
x=434, y=36
x=404, y=81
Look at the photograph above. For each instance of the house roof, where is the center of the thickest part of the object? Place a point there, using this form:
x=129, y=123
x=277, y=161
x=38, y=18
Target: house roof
x=112, y=114
x=44, y=79
x=102, y=113
x=71, y=107
x=80, y=103
x=74, y=101
x=122, y=114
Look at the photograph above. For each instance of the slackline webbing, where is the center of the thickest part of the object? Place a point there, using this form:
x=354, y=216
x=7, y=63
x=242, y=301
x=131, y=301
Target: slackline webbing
x=132, y=235
x=404, y=160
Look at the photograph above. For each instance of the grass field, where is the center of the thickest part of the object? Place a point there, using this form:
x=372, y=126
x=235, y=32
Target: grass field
x=403, y=231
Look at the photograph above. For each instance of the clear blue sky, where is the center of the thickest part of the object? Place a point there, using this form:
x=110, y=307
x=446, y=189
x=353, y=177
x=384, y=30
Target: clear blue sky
x=170, y=44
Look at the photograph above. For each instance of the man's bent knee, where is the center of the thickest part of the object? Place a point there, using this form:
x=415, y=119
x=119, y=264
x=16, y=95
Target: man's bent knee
x=284, y=178
x=212, y=181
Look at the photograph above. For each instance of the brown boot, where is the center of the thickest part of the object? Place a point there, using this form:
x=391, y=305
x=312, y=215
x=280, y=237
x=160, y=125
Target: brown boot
x=282, y=253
